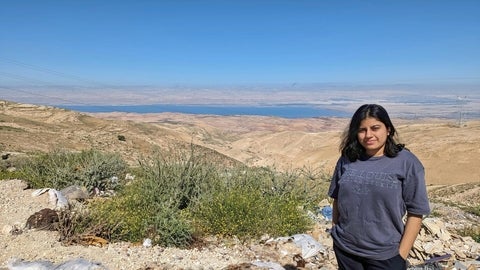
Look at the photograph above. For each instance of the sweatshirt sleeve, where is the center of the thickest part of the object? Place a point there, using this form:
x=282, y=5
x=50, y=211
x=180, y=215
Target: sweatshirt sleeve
x=414, y=188
x=337, y=173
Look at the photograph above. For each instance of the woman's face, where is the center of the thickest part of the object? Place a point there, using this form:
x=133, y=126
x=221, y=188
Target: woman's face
x=372, y=135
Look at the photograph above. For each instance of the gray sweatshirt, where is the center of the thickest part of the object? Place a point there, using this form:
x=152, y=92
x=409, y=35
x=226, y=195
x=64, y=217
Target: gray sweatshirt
x=373, y=195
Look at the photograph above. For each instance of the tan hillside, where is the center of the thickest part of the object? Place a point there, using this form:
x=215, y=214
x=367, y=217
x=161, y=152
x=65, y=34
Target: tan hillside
x=451, y=154
x=26, y=128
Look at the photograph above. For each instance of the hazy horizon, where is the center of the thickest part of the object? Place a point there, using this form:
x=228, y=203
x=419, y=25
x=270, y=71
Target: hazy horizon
x=399, y=100
x=212, y=43
x=411, y=55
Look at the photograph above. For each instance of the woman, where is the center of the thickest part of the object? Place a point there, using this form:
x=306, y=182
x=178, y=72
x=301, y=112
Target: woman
x=375, y=184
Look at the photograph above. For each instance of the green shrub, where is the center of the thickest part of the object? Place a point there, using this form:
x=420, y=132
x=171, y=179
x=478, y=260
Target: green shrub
x=134, y=215
x=9, y=167
x=179, y=193
x=179, y=177
x=247, y=213
x=5, y=174
x=59, y=169
x=152, y=206
x=252, y=202
x=299, y=184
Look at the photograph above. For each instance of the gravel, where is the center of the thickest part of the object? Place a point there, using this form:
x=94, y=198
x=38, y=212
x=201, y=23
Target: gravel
x=32, y=245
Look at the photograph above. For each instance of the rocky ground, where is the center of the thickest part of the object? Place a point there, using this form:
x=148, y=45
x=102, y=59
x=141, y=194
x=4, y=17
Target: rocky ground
x=17, y=204
x=33, y=245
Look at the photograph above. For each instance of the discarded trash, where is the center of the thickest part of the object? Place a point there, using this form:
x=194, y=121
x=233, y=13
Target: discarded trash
x=327, y=212
x=426, y=266
x=147, y=242
x=310, y=247
x=432, y=263
x=269, y=265
x=17, y=264
x=59, y=200
x=56, y=198
x=80, y=264
x=75, y=264
x=439, y=258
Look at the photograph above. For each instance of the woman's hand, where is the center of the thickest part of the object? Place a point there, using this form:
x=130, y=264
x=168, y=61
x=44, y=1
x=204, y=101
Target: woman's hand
x=404, y=254
x=412, y=227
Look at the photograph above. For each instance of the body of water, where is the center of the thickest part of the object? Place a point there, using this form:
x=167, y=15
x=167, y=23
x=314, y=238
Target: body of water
x=285, y=111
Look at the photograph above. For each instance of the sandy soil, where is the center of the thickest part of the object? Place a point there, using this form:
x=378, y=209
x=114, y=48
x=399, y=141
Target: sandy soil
x=32, y=245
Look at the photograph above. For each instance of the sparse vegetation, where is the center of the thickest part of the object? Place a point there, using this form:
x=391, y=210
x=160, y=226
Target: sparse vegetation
x=434, y=213
x=178, y=194
x=59, y=169
x=5, y=174
x=8, y=166
x=11, y=129
x=472, y=231
x=247, y=212
x=474, y=210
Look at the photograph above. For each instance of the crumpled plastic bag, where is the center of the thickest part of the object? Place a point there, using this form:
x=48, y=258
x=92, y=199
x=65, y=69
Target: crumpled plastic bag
x=268, y=265
x=75, y=264
x=79, y=264
x=56, y=197
x=327, y=212
x=310, y=247
x=16, y=264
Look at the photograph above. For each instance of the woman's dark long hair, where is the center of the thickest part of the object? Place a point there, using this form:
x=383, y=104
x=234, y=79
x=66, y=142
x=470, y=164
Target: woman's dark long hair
x=351, y=148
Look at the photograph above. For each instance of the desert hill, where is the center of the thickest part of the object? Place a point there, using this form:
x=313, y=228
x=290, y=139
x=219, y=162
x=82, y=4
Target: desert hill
x=450, y=153
x=26, y=128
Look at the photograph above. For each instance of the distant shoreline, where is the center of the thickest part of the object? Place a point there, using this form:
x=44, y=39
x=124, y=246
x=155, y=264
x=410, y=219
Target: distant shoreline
x=289, y=111
x=284, y=111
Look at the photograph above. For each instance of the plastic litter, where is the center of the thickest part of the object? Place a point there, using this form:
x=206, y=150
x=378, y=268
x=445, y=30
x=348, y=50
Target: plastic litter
x=17, y=264
x=147, y=242
x=75, y=264
x=268, y=265
x=426, y=266
x=327, y=212
x=80, y=264
x=56, y=198
x=310, y=247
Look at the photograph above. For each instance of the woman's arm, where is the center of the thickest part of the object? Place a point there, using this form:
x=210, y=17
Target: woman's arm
x=412, y=228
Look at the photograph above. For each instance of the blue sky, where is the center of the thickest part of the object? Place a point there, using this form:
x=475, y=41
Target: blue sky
x=239, y=42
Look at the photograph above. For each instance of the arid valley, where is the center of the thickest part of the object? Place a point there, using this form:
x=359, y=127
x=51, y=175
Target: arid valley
x=449, y=152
